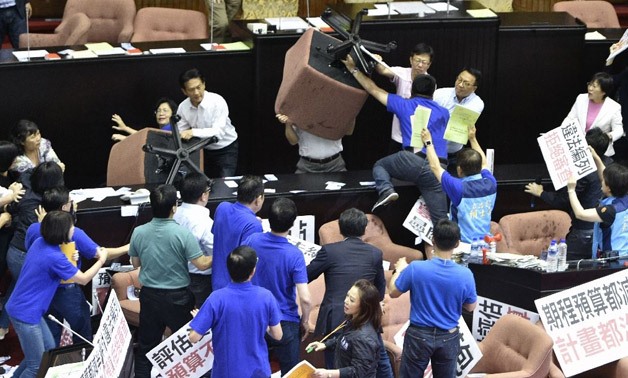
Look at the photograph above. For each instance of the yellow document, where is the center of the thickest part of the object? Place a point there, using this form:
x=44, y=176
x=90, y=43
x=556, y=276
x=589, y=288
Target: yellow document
x=98, y=46
x=419, y=122
x=302, y=370
x=459, y=122
x=69, y=249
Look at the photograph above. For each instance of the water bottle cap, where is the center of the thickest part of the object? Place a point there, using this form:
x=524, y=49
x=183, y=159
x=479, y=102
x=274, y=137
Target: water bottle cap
x=553, y=242
x=562, y=240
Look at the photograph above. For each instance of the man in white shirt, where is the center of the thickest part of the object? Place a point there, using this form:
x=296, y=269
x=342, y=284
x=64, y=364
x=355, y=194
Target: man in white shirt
x=463, y=93
x=204, y=115
x=421, y=58
x=194, y=215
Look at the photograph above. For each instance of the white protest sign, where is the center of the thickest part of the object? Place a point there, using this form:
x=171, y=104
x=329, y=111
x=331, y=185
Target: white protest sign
x=178, y=357
x=303, y=228
x=588, y=323
x=419, y=222
x=100, y=287
x=566, y=153
x=488, y=311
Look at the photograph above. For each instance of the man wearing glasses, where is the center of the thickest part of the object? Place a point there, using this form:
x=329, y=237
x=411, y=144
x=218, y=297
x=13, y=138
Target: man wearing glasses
x=463, y=93
x=421, y=58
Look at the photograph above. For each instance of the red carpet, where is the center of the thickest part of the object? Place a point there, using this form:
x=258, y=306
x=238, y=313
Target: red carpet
x=10, y=346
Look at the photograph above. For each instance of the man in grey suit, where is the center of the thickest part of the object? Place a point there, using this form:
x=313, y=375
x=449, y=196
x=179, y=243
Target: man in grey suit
x=344, y=263
x=13, y=17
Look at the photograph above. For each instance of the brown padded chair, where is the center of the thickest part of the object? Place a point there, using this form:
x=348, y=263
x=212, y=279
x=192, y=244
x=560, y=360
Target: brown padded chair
x=166, y=24
x=530, y=233
x=595, y=14
x=126, y=160
x=515, y=347
x=376, y=235
x=130, y=308
x=71, y=31
x=396, y=312
x=112, y=20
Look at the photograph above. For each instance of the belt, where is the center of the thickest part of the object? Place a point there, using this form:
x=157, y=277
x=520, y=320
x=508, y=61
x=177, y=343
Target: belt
x=434, y=328
x=67, y=286
x=322, y=161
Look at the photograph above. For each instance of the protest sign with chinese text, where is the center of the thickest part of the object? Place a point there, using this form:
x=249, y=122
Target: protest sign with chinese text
x=488, y=311
x=419, y=221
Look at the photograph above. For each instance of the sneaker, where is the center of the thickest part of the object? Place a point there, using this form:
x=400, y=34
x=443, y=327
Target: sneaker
x=385, y=198
x=3, y=333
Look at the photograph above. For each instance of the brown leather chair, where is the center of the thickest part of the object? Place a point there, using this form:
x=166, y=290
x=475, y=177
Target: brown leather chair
x=72, y=31
x=112, y=20
x=396, y=312
x=515, y=347
x=126, y=159
x=530, y=233
x=130, y=308
x=595, y=14
x=376, y=235
x=166, y=24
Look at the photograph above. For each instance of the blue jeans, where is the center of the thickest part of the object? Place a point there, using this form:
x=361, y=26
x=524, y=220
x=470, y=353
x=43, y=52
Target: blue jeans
x=11, y=23
x=406, y=166
x=384, y=370
x=35, y=339
x=69, y=303
x=422, y=344
x=287, y=349
x=15, y=260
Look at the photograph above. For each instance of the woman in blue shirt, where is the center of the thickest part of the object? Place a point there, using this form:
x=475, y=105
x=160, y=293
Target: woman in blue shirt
x=45, y=266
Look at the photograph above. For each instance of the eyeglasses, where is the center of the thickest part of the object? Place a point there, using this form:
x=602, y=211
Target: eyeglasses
x=424, y=62
x=161, y=111
x=464, y=83
x=593, y=84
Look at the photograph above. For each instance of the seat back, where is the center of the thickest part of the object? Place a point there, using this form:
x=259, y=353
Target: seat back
x=112, y=20
x=126, y=160
x=72, y=31
x=375, y=234
x=165, y=24
x=514, y=345
x=530, y=233
x=595, y=14
x=130, y=308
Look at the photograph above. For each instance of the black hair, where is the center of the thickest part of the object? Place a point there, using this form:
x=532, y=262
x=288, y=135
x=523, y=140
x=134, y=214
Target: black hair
x=162, y=199
x=173, y=105
x=477, y=74
x=423, y=85
x=605, y=81
x=422, y=48
x=352, y=222
x=282, y=214
x=469, y=161
x=46, y=176
x=599, y=140
x=189, y=75
x=446, y=235
x=193, y=186
x=8, y=153
x=616, y=178
x=55, y=198
x=22, y=129
x=249, y=188
x=56, y=226
x=370, y=309
x=241, y=262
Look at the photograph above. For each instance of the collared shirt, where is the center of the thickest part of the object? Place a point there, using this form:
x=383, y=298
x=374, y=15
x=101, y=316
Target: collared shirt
x=210, y=118
x=315, y=147
x=7, y=3
x=403, y=83
x=446, y=97
x=196, y=219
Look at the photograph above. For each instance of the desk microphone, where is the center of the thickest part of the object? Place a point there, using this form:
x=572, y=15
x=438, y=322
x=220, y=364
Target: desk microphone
x=51, y=317
x=533, y=198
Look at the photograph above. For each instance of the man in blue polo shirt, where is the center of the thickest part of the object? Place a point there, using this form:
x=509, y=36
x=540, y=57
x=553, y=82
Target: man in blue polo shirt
x=473, y=195
x=239, y=315
x=281, y=269
x=409, y=164
x=233, y=223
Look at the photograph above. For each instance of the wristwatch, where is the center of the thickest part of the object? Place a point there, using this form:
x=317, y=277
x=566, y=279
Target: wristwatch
x=354, y=71
x=428, y=143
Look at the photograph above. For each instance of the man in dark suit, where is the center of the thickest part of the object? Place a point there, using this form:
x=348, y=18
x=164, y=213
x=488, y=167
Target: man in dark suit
x=344, y=263
x=13, y=17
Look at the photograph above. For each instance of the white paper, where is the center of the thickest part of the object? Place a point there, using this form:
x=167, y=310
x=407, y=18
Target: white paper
x=231, y=184
x=318, y=22
x=594, y=35
x=288, y=23
x=95, y=192
x=269, y=190
x=129, y=211
x=113, y=51
x=442, y=7
x=23, y=56
x=412, y=7
x=270, y=177
x=172, y=50
x=367, y=183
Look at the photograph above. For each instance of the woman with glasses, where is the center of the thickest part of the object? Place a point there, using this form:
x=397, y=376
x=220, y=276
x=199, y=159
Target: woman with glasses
x=596, y=109
x=164, y=109
x=355, y=341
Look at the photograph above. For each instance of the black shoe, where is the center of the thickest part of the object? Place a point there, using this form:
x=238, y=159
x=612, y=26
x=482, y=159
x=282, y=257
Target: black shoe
x=385, y=198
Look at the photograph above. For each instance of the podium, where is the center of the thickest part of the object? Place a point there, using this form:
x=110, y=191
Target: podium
x=130, y=165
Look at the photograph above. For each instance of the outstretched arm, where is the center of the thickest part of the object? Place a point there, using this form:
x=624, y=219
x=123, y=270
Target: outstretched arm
x=432, y=158
x=366, y=82
x=476, y=146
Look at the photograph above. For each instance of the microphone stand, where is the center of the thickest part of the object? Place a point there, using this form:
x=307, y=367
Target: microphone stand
x=211, y=26
x=51, y=317
x=28, y=36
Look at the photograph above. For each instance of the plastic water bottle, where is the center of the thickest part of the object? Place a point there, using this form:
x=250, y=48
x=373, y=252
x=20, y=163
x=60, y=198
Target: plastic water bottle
x=552, y=257
x=475, y=251
x=562, y=256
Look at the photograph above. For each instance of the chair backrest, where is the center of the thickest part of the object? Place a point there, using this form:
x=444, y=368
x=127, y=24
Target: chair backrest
x=164, y=24
x=530, y=233
x=126, y=160
x=122, y=280
x=74, y=30
x=112, y=20
x=515, y=345
x=376, y=235
x=595, y=14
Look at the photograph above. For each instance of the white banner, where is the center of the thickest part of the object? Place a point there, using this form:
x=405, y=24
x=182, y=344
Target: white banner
x=419, y=222
x=588, y=323
x=303, y=228
x=100, y=287
x=488, y=311
x=178, y=357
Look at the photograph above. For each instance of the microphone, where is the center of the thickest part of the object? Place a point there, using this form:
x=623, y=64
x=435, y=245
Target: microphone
x=51, y=317
x=533, y=198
